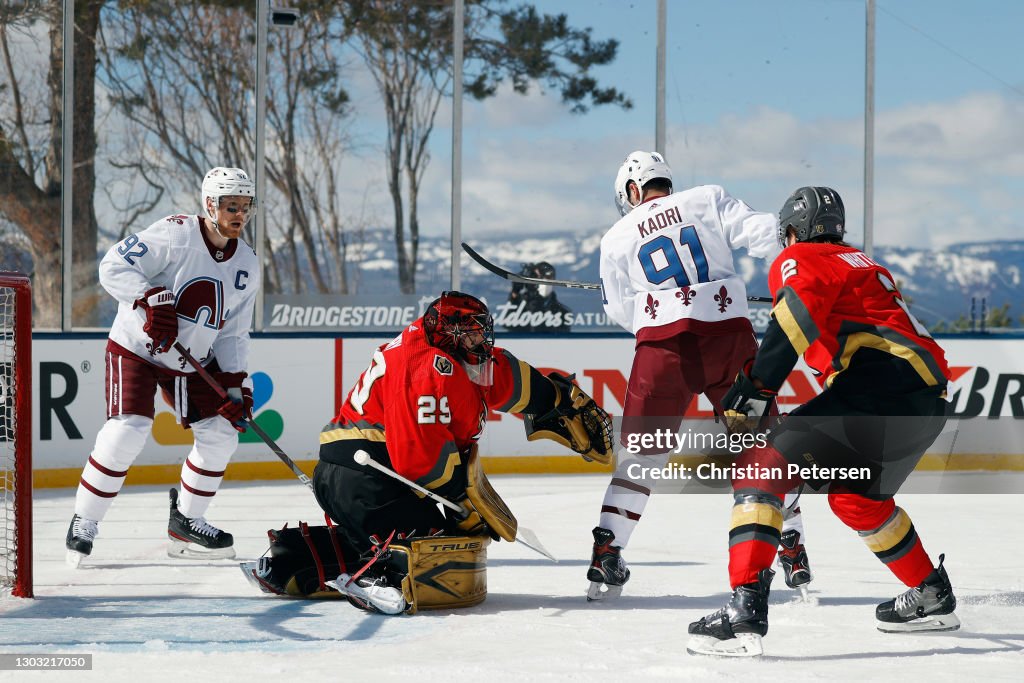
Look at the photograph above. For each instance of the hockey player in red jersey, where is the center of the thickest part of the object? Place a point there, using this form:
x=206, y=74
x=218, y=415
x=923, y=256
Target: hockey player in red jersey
x=418, y=410
x=189, y=279
x=883, y=405
x=668, y=277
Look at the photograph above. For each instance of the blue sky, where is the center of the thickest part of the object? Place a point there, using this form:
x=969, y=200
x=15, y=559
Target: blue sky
x=763, y=97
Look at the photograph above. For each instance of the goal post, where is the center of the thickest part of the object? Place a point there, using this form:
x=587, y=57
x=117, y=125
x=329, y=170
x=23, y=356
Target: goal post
x=16, y=434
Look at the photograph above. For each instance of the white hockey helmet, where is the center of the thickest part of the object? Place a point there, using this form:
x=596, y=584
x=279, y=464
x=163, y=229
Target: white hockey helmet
x=639, y=167
x=227, y=182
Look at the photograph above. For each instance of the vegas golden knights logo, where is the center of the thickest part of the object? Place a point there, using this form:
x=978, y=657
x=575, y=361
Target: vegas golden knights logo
x=443, y=365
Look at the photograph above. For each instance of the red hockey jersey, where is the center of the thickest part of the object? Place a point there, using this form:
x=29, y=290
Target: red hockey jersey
x=423, y=405
x=832, y=301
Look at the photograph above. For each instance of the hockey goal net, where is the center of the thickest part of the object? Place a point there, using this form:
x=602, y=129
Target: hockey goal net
x=15, y=435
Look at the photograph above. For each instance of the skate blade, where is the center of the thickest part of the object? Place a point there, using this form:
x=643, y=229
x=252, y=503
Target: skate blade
x=602, y=591
x=180, y=549
x=249, y=571
x=73, y=558
x=743, y=645
x=934, y=623
x=805, y=596
x=384, y=600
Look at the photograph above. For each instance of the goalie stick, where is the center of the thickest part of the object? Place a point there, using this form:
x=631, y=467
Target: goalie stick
x=249, y=424
x=523, y=535
x=575, y=284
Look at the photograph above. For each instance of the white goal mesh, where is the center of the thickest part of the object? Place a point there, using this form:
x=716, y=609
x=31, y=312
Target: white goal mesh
x=15, y=436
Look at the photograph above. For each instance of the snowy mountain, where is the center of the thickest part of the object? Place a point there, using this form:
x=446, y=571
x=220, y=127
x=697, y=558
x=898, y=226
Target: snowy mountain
x=939, y=285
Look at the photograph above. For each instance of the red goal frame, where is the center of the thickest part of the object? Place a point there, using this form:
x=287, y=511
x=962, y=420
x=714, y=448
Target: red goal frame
x=22, y=375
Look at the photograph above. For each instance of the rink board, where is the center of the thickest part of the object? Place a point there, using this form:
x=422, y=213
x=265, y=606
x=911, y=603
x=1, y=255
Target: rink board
x=300, y=382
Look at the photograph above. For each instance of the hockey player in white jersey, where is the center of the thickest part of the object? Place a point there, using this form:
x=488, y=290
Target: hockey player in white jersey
x=668, y=277
x=188, y=279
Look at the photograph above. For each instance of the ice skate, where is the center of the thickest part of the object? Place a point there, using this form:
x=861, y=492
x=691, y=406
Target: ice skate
x=928, y=607
x=608, y=571
x=195, y=537
x=793, y=560
x=736, y=629
x=373, y=594
x=81, y=534
x=258, y=573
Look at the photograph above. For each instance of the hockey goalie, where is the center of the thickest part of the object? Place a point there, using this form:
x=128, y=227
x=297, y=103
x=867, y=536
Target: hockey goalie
x=417, y=411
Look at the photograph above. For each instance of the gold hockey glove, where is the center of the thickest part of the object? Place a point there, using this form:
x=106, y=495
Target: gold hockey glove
x=575, y=421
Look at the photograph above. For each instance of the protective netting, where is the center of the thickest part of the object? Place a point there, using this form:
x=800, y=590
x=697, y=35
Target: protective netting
x=8, y=442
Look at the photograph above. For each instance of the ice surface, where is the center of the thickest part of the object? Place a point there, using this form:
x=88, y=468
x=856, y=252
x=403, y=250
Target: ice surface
x=145, y=616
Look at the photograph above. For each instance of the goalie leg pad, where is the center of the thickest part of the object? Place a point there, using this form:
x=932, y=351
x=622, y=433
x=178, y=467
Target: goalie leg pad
x=300, y=559
x=486, y=500
x=442, y=572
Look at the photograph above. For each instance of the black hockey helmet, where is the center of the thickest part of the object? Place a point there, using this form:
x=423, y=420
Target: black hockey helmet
x=544, y=270
x=813, y=213
x=452, y=319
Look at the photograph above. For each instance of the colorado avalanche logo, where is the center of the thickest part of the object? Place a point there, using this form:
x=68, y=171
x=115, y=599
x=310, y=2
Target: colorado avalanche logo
x=443, y=365
x=202, y=297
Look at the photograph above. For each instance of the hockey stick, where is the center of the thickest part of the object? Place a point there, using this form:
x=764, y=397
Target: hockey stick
x=575, y=284
x=523, y=535
x=249, y=424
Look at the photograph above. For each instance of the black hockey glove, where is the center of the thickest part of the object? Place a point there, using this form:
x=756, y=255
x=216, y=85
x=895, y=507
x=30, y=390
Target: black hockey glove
x=745, y=406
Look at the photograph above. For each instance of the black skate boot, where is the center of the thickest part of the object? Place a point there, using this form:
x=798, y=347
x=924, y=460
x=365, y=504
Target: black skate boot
x=793, y=559
x=736, y=629
x=929, y=607
x=195, y=537
x=608, y=571
x=81, y=534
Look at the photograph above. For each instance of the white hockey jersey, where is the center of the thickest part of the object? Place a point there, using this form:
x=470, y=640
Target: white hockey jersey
x=667, y=266
x=215, y=292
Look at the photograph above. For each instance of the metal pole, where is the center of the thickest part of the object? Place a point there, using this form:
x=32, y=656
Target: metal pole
x=260, y=229
x=869, y=129
x=67, y=169
x=659, y=94
x=458, y=19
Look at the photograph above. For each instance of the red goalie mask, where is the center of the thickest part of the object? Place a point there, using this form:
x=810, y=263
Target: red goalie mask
x=460, y=325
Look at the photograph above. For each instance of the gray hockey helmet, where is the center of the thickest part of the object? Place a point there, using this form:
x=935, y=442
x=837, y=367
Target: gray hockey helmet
x=813, y=213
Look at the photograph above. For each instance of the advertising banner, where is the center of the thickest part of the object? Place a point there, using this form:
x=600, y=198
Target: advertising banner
x=299, y=383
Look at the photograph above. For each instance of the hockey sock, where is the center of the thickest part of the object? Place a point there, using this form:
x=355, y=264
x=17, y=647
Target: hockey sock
x=198, y=486
x=757, y=513
x=626, y=497
x=753, y=536
x=203, y=470
x=888, y=533
x=118, y=443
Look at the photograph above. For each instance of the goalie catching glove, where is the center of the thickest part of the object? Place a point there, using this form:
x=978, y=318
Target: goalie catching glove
x=575, y=421
x=746, y=406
